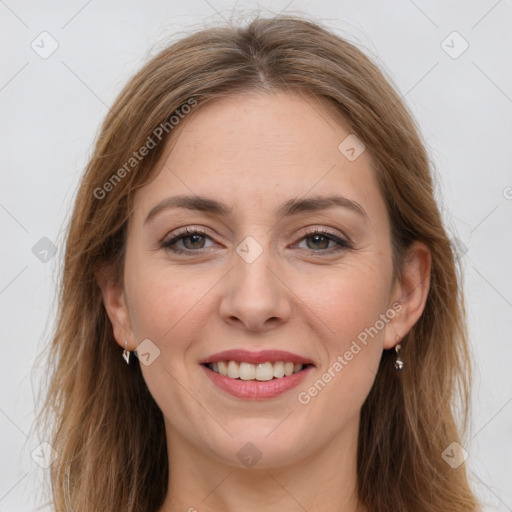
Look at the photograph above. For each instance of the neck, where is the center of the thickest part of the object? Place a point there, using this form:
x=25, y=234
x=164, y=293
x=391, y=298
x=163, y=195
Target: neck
x=325, y=481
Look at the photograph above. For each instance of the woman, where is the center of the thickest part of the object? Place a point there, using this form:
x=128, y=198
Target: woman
x=257, y=223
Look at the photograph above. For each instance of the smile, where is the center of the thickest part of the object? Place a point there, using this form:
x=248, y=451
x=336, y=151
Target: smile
x=260, y=372
x=256, y=375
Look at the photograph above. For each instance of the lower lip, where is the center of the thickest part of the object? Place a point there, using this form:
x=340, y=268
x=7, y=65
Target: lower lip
x=256, y=390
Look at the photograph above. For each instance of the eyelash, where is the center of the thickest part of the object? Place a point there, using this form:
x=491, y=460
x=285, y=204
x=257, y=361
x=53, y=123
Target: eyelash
x=167, y=244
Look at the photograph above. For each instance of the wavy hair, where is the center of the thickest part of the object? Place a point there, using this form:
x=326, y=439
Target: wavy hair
x=98, y=413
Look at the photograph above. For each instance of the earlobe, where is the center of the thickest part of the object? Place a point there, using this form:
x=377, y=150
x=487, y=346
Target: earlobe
x=114, y=301
x=411, y=292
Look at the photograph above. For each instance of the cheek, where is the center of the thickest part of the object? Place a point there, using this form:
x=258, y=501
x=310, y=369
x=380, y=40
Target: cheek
x=351, y=300
x=163, y=303
x=347, y=322
x=352, y=311
x=168, y=309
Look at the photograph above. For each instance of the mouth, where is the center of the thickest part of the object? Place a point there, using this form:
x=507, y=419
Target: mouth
x=256, y=375
x=261, y=372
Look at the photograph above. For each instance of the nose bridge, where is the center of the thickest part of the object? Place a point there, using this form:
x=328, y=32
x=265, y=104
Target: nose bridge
x=252, y=277
x=253, y=274
x=254, y=293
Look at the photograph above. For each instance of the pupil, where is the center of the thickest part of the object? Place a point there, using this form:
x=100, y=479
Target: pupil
x=317, y=239
x=196, y=239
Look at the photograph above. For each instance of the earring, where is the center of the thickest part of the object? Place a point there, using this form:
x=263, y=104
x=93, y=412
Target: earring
x=399, y=364
x=126, y=353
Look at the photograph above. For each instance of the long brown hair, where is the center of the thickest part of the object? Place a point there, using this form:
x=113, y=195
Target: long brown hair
x=101, y=419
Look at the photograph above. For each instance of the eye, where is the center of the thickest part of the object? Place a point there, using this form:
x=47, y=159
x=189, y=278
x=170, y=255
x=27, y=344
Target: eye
x=194, y=240
x=188, y=240
x=324, y=241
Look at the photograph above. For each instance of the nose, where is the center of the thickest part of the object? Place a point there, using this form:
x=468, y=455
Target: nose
x=255, y=297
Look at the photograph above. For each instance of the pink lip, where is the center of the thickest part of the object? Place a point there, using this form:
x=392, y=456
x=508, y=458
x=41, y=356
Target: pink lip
x=263, y=356
x=256, y=390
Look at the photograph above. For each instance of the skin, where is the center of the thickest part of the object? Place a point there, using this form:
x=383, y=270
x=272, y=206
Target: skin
x=254, y=152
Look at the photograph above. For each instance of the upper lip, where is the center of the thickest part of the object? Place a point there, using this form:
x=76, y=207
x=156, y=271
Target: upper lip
x=261, y=356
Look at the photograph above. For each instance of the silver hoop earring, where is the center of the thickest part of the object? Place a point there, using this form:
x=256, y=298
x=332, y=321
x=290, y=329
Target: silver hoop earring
x=399, y=364
x=126, y=353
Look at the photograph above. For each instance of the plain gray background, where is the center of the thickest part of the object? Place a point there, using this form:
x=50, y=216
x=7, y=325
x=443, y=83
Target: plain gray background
x=52, y=106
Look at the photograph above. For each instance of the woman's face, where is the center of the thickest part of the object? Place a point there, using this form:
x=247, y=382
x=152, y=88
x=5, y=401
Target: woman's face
x=293, y=254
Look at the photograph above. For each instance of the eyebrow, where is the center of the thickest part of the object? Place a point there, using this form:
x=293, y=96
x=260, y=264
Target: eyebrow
x=291, y=207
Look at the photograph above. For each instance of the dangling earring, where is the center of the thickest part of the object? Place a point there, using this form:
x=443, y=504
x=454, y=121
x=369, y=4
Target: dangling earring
x=126, y=353
x=399, y=364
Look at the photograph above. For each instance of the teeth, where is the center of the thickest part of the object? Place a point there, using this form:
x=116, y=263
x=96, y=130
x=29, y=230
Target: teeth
x=265, y=371
x=261, y=372
x=247, y=371
x=233, y=370
x=279, y=369
x=223, y=368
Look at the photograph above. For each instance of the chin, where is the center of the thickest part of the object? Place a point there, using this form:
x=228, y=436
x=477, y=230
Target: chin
x=264, y=444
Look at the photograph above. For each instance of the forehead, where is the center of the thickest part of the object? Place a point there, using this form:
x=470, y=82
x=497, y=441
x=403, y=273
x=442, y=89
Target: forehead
x=254, y=151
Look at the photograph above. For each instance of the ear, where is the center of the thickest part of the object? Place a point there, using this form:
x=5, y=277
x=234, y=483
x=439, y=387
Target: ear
x=410, y=291
x=115, y=304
